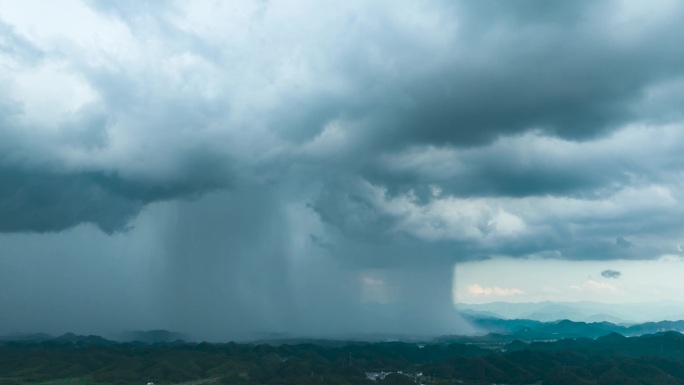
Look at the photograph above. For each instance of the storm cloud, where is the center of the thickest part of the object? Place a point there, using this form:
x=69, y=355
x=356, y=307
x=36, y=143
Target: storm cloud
x=297, y=166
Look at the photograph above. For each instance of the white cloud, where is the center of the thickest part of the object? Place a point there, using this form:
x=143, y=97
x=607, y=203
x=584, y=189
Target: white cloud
x=592, y=285
x=495, y=291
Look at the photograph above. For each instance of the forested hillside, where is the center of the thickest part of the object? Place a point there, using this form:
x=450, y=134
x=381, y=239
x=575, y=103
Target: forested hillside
x=613, y=359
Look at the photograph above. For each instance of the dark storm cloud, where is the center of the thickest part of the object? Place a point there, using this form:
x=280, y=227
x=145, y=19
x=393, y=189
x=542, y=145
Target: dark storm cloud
x=611, y=273
x=342, y=197
x=507, y=71
x=492, y=69
x=552, y=76
x=43, y=201
x=337, y=160
x=500, y=71
x=513, y=168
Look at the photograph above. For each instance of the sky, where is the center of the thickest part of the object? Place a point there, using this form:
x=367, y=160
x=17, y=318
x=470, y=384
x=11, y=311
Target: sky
x=558, y=280
x=237, y=169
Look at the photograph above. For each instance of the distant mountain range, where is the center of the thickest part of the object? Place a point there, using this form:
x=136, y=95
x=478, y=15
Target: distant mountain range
x=493, y=331
x=152, y=336
x=620, y=313
x=531, y=330
x=139, y=337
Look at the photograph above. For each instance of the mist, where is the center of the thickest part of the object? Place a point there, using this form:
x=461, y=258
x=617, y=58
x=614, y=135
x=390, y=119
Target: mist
x=226, y=266
x=264, y=275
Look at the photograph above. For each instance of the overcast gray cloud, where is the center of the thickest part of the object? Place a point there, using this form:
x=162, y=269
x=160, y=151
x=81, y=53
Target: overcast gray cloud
x=352, y=151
